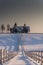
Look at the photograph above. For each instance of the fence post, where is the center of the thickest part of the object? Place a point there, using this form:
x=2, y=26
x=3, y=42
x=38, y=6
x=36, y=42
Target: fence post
x=38, y=56
x=1, y=56
x=41, y=58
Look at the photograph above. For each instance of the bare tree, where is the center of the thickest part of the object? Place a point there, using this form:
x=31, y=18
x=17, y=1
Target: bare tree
x=8, y=27
x=2, y=27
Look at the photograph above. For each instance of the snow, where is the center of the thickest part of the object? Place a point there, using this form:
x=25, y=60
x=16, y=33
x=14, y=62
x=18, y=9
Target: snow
x=11, y=42
x=38, y=47
x=21, y=59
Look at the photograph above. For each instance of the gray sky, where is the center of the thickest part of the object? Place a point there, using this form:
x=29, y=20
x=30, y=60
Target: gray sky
x=22, y=11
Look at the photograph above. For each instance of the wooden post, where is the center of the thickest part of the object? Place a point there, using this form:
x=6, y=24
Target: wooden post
x=38, y=56
x=1, y=56
x=41, y=58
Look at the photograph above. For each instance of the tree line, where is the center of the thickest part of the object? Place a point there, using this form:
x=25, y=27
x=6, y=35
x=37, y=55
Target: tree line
x=15, y=29
x=3, y=27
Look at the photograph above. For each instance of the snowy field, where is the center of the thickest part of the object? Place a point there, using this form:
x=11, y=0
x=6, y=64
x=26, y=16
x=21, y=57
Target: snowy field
x=11, y=42
x=33, y=42
x=21, y=59
x=21, y=42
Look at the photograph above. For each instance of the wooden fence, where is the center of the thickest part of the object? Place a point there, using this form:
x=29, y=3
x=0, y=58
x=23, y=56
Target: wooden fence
x=6, y=55
x=36, y=55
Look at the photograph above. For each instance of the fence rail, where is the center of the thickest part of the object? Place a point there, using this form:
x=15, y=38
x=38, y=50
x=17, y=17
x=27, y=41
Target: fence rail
x=36, y=55
x=6, y=55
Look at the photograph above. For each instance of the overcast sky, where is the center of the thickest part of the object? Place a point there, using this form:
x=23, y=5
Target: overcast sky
x=22, y=11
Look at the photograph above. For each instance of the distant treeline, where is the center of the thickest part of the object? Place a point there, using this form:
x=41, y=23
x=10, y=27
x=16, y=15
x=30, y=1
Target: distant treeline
x=16, y=29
